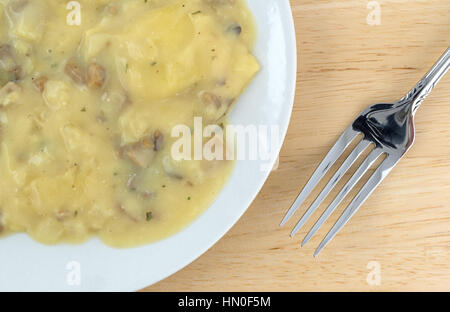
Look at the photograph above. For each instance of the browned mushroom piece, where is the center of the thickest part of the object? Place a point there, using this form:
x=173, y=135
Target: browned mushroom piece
x=96, y=76
x=210, y=98
x=158, y=140
x=40, y=82
x=74, y=70
x=140, y=153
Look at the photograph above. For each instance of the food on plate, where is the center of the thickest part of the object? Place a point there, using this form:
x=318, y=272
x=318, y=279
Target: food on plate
x=89, y=96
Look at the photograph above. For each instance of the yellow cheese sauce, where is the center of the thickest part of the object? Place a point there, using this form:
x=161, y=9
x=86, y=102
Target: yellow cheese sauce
x=89, y=94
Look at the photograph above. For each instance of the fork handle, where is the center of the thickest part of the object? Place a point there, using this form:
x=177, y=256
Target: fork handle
x=424, y=87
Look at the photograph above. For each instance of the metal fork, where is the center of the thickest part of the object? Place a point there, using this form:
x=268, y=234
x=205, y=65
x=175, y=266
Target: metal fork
x=389, y=127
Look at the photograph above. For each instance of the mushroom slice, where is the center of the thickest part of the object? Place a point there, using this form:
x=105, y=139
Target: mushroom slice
x=75, y=71
x=210, y=98
x=40, y=82
x=96, y=76
x=158, y=140
x=140, y=153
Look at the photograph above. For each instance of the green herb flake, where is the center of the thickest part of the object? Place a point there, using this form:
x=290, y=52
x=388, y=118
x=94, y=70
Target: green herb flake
x=148, y=216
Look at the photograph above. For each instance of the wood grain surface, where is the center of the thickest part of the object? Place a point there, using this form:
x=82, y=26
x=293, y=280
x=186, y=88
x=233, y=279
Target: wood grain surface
x=402, y=233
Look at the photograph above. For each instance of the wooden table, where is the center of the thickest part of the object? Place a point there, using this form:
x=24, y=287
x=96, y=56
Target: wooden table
x=400, y=239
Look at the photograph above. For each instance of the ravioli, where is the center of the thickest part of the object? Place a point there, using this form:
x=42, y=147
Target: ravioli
x=87, y=113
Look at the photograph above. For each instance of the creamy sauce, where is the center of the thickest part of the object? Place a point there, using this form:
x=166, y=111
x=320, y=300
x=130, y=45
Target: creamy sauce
x=86, y=113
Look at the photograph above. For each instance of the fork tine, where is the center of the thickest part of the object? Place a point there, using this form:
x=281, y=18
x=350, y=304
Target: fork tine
x=368, y=162
x=357, y=151
x=342, y=143
x=377, y=177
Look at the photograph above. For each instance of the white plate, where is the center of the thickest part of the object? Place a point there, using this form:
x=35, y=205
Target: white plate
x=26, y=265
